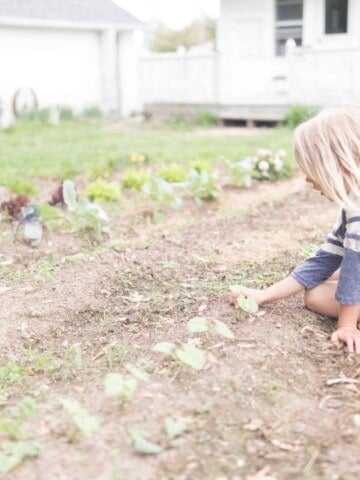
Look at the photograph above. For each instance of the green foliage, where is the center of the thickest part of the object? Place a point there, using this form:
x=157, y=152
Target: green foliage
x=23, y=188
x=12, y=425
x=202, y=166
x=86, y=423
x=66, y=113
x=50, y=213
x=92, y=112
x=205, y=118
x=35, y=115
x=11, y=372
x=298, y=114
x=141, y=444
x=202, y=185
x=13, y=454
x=187, y=354
x=135, y=179
x=116, y=385
x=249, y=305
x=240, y=172
x=101, y=190
x=162, y=192
x=174, y=427
x=198, y=32
x=202, y=325
x=174, y=173
x=137, y=372
x=86, y=214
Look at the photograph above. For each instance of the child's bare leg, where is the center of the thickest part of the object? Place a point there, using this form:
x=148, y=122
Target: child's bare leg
x=322, y=300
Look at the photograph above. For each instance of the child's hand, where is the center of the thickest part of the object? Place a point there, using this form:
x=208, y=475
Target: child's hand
x=257, y=295
x=348, y=335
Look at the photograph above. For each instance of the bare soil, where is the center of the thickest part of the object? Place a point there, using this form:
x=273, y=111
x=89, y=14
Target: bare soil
x=261, y=409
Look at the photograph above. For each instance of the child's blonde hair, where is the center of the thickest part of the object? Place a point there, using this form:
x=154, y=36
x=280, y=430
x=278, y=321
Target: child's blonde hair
x=327, y=148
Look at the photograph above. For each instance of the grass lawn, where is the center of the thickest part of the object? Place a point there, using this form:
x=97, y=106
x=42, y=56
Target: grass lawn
x=37, y=150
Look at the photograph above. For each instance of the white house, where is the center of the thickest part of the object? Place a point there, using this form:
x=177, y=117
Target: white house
x=256, y=71
x=75, y=53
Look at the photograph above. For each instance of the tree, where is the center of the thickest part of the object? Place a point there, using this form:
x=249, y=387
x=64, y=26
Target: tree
x=199, y=32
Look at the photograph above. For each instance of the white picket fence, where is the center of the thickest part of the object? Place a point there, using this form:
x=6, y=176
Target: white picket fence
x=179, y=78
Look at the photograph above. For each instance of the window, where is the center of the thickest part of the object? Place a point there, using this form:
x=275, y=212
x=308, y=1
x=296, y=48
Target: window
x=336, y=16
x=289, y=23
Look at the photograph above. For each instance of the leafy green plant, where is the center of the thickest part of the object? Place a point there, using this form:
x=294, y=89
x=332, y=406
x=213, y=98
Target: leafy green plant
x=103, y=191
x=92, y=112
x=174, y=427
x=23, y=188
x=87, y=215
x=240, y=172
x=173, y=173
x=298, y=114
x=12, y=425
x=248, y=305
x=86, y=423
x=116, y=385
x=66, y=113
x=137, y=440
x=202, y=186
x=202, y=325
x=187, y=353
x=162, y=192
x=202, y=166
x=206, y=118
x=11, y=372
x=135, y=179
x=12, y=454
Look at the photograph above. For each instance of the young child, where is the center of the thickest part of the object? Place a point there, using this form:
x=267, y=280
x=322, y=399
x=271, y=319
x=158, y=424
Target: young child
x=327, y=149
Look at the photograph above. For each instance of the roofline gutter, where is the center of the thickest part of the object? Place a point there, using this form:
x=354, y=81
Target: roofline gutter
x=63, y=24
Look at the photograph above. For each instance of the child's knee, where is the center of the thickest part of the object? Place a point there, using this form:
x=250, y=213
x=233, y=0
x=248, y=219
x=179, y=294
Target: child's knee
x=311, y=299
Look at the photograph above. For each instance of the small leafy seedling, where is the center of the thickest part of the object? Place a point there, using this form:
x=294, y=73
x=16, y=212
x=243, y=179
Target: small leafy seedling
x=100, y=190
x=12, y=454
x=187, y=354
x=116, y=385
x=86, y=214
x=202, y=325
x=141, y=444
x=174, y=427
x=248, y=305
x=86, y=423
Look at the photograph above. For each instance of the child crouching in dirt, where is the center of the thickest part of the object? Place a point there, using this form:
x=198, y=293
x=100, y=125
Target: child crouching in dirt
x=327, y=149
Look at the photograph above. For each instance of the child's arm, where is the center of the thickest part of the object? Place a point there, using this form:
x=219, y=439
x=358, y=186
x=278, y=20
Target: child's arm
x=283, y=289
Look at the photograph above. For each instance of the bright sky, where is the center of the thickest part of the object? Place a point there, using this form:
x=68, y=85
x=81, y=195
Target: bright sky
x=172, y=12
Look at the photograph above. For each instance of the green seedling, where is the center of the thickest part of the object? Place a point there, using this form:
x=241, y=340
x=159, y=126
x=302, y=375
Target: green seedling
x=202, y=186
x=116, y=385
x=240, y=172
x=187, y=354
x=87, y=424
x=12, y=425
x=162, y=192
x=87, y=215
x=202, y=325
x=173, y=173
x=12, y=454
x=135, y=179
x=136, y=439
x=248, y=305
x=174, y=427
x=11, y=372
x=100, y=190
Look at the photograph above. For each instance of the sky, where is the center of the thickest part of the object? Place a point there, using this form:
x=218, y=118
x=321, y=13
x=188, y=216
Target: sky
x=172, y=12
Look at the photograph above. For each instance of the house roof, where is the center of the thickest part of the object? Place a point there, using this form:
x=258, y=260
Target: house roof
x=73, y=11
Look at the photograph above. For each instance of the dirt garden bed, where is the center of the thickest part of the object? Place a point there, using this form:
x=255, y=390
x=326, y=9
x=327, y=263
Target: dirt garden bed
x=277, y=402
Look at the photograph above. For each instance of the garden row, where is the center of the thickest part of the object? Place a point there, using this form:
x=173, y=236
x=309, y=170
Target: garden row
x=165, y=187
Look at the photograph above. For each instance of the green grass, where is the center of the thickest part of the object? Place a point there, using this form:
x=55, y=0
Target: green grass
x=33, y=150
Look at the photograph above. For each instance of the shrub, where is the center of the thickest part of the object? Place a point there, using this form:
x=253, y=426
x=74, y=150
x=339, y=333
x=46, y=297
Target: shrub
x=66, y=113
x=298, y=114
x=92, y=112
x=205, y=118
